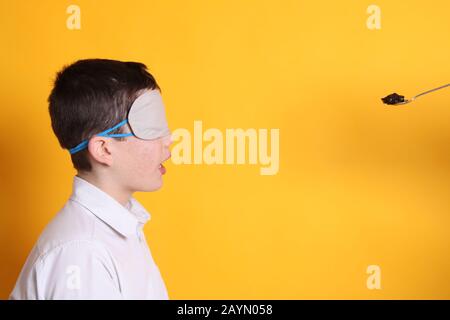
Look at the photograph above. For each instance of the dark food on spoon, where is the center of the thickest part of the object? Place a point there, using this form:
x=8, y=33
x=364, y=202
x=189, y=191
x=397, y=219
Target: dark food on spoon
x=393, y=99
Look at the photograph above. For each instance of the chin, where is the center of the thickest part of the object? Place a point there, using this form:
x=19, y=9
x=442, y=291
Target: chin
x=155, y=186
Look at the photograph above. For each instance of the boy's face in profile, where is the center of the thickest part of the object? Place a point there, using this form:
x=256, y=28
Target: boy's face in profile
x=137, y=162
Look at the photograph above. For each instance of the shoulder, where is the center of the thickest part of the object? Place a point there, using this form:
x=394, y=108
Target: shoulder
x=78, y=250
x=72, y=224
x=75, y=269
x=68, y=249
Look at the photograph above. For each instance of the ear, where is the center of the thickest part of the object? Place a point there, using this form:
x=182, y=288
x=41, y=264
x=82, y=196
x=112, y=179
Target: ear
x=101, y=149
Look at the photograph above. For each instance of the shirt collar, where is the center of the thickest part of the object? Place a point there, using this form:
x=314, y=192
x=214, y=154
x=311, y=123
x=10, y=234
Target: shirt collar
x=124, y=220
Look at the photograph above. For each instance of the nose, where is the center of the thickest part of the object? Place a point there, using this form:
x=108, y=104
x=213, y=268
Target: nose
x=168, y=141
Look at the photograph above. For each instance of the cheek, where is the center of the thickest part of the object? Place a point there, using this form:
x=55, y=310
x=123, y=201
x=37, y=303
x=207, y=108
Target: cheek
x=147, y=158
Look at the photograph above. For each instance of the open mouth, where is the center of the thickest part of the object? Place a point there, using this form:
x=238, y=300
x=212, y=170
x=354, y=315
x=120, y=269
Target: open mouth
x=162, y=169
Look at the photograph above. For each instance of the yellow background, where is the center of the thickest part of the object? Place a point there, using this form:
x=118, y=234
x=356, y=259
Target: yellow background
x=359, y=183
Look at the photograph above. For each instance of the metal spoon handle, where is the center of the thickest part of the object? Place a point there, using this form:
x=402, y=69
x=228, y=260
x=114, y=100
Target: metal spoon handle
x=421, y=94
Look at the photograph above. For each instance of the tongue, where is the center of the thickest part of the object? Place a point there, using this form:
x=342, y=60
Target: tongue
x=162, y=169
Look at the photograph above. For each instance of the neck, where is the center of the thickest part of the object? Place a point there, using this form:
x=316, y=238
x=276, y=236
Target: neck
x=108, y=186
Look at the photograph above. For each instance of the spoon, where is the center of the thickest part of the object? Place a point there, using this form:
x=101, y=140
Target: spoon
x=396, y=99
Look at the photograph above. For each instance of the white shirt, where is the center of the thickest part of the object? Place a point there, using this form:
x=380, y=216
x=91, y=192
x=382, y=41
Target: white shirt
x=94, y=248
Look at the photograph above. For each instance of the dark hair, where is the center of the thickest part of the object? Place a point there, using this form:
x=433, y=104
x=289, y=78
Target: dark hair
x=93, y=95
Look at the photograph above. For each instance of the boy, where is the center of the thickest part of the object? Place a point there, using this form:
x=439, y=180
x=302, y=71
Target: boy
x=110, y=116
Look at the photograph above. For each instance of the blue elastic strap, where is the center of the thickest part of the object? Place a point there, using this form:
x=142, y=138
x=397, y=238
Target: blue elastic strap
x=84, y=143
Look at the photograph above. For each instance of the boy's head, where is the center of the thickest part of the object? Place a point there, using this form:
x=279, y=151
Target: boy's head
x=94, y=95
